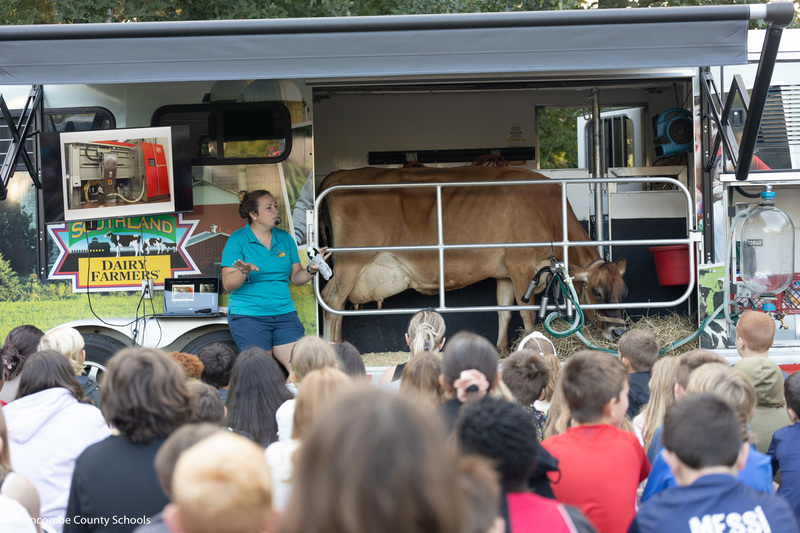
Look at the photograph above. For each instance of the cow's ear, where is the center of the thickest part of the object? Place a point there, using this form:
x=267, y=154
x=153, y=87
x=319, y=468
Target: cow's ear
x=579, y=274
x=621, y=264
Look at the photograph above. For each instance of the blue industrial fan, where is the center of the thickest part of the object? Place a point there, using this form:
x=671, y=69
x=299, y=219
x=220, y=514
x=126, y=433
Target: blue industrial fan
x=672, y=132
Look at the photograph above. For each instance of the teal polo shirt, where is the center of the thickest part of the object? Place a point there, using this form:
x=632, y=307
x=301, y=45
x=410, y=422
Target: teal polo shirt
x=266, y=291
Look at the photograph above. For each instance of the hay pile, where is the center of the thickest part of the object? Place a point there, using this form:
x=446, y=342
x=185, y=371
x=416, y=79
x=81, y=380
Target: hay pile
x=384, y=358
x=667, y=329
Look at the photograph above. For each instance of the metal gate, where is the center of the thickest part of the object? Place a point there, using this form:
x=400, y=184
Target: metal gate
x=692, y=237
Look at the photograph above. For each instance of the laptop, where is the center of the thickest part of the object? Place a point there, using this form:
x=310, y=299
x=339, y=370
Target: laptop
x=191, y=297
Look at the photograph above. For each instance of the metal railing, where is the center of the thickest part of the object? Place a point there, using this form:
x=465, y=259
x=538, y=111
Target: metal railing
x=565, y=244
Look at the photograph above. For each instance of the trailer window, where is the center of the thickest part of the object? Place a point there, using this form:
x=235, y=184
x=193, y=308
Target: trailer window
x=232, y=133
x=617, y=139
x=622, y=138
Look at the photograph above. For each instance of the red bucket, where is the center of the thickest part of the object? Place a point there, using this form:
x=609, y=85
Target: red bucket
x=672, y=264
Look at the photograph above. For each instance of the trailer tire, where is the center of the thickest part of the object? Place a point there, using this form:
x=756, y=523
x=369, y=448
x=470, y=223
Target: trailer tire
x=221, y=335
x=99, y=349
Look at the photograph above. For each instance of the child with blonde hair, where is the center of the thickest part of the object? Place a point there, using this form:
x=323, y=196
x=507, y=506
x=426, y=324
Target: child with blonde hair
x=425, y=333
x=221, y=484
x=559, y=419
x=320, y=388
x=686, y=363
x=733, y=388
x=662, y=395
x=421, y=380
x=69, y=343
x=309, y=353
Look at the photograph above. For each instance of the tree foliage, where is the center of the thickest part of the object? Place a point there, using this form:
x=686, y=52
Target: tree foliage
x=77, y=11
x=10, y=287
x=558, y=138
x=18, y=244
x=26, y=12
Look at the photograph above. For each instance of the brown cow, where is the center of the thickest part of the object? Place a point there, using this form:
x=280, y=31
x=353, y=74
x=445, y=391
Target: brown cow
x=480, y=214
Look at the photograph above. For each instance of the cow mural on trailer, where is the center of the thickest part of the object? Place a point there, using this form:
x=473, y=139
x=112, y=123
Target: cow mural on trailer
x=157, y=243
x=134, y=242
x=480, y=214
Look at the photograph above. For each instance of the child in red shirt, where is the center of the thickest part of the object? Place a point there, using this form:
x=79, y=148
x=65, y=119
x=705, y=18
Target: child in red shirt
x=600, y=465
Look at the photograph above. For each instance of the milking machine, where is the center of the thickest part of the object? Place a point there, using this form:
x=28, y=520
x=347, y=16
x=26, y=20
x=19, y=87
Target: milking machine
x=759, y=251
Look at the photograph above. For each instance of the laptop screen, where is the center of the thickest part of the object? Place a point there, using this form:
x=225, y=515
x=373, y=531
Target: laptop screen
x=191, y=296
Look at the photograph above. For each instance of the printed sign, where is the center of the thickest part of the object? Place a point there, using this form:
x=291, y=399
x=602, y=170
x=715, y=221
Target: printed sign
x=118, y=254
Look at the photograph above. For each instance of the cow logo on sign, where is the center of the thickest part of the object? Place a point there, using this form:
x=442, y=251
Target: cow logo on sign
x=118, y=254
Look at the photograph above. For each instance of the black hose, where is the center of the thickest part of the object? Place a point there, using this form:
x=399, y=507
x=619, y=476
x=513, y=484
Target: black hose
x=747, y=194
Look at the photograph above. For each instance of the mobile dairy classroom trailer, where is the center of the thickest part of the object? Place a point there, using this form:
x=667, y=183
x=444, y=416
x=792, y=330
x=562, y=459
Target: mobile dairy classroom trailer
x=271, y=103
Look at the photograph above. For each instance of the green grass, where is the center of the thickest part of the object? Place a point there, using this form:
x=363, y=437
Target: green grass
x=305, y=303
x=47, y=314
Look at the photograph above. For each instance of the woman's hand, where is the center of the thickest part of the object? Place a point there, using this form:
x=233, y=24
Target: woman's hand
x=244, y=268
x=234, y=276
x=312, y=269
x=324, y=255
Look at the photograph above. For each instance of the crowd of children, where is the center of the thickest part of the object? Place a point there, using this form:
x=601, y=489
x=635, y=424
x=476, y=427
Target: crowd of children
x=460, y=442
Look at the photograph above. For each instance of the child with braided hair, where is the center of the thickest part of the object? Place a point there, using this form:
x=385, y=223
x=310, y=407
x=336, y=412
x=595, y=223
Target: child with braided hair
x=425, y=334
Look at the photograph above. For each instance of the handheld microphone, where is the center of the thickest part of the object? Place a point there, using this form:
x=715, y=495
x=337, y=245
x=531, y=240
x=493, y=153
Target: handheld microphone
x=278, y=222
x=316, y=258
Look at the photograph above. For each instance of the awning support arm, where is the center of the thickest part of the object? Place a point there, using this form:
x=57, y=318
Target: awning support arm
x=19, y=134
x=758, y=98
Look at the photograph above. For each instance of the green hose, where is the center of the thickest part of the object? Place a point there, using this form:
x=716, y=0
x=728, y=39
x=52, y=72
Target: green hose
x=577, y=325
x=693, y=336
x=579, y=317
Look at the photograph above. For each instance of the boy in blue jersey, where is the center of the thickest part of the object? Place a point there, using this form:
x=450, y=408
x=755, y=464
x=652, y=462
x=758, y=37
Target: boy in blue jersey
x=704, y=449
x=785, y=447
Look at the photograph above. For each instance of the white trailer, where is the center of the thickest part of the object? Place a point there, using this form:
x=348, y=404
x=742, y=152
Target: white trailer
x=439, y=89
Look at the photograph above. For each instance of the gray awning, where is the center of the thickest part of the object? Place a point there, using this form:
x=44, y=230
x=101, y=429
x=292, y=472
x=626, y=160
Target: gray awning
x=376, y=46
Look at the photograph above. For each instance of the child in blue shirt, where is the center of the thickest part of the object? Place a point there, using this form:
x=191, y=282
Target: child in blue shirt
x=704, y=450
x=732, y=387
x=785, y=447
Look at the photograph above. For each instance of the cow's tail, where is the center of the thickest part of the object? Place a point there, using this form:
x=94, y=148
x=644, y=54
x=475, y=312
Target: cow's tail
x=325, y=228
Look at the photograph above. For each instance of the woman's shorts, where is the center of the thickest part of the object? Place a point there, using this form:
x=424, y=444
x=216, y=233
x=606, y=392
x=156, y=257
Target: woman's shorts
x=265, y=331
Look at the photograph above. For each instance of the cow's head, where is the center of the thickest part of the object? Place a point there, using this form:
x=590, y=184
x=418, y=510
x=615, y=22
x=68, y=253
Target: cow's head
x=603, y=284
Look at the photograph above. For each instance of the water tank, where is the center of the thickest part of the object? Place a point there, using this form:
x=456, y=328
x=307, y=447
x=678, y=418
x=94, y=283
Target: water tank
x=767, y=248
